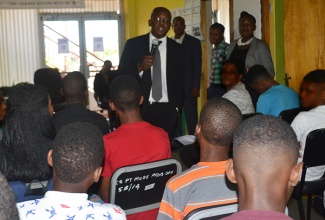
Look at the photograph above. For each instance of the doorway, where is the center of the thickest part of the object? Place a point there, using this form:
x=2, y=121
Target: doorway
x=81, y=42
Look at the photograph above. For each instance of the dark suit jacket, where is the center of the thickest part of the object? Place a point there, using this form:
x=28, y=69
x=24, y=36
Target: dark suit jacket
x=136, y=48
x=193, y=62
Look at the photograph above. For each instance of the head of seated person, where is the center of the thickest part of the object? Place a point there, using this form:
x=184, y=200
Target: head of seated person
x=218, y=121
x=27, y=134
x=74, y=88
x=231, y=74
x=264, y=165
x=76, y=158
x=312, y=89
x=8, y=209
x=126, y=98
x=51, y=79
x=259, y=79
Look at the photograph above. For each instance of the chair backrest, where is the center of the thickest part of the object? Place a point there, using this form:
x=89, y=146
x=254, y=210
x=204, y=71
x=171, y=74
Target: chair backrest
x=139, y=188
x=29, y=191
x=315, y=148
x=212, y=212
x=290, y=114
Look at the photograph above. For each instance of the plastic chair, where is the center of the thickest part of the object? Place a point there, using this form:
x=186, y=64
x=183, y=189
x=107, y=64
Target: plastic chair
x=290, y=114
x=313, y=156
x=30, y=191
x=212, y=212
x=139, y=188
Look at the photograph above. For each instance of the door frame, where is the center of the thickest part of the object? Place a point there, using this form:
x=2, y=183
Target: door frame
x=81, y=18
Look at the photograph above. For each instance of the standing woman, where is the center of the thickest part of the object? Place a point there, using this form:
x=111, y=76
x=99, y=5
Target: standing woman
x=248, y=49
x=27, y=134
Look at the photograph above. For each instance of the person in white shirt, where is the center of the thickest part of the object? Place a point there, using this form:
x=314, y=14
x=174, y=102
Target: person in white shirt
x=231, y=76
x=312, y=96
x=76, y=158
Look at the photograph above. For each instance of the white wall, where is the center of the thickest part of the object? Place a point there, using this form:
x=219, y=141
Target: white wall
x=254, y=8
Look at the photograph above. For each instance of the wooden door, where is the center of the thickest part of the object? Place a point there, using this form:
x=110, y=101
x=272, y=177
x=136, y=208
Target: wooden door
x=304, y=38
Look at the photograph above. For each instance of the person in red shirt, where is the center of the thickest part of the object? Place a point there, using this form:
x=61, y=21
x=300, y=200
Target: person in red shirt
x=135, y=141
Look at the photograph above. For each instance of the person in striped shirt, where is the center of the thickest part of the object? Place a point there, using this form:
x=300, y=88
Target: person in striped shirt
x=205, y=183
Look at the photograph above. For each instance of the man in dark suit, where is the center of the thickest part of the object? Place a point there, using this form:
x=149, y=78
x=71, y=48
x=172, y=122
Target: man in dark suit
x=137, y=61
x=193, y=61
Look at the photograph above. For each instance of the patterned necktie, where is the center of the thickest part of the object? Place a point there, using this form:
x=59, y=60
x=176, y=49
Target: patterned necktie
x=156, y=76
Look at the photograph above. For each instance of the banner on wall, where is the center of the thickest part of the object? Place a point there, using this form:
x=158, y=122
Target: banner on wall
x=192, y=16
x=37, y=4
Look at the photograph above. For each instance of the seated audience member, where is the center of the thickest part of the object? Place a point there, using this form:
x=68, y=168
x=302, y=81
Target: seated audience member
x=51, y=79
x=135, y=141
x=76, y=158
x=204, y=184
x=27, y=134
x=75, y=90
x=3, y=112
x=231, y=76
x=274, y=97
x=8, y=209
x=264, y=165
x=312, y=95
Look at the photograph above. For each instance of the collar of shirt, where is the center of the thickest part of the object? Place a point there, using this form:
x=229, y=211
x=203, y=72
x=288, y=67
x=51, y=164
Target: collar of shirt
x=180, y=40
x=163, y=40
x=68, y=199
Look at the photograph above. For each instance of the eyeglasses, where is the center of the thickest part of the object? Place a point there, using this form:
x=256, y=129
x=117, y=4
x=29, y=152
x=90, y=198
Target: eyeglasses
x=161, y=20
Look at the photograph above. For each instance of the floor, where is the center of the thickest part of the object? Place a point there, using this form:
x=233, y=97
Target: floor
x=292, y=204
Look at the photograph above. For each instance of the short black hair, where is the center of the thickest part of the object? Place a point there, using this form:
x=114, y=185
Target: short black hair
x=125, y=93
x=256, y=74
x=246, y=14
x=74, y=86
x=219, y=119
x=239, y=65
x=157, y=10
x=262, y=142
x=8, y=208
x=218, y=26
x=78, y=150
x=315, y=76
x=179, y=18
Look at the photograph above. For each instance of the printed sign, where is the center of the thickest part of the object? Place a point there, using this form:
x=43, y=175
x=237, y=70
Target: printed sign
x=37, y=4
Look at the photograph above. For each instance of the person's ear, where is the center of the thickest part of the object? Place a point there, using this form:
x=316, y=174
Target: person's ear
x=112, y=106
x=149, y=22
x=295, y=174
x=197, y=129
x=61, y=91
x=97, y=173
x=141, y=100
x=230, y=171
x=49, y=158
x=241, y=77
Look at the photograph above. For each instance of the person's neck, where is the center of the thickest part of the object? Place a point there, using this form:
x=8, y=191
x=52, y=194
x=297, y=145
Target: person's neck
x=213, y=153
x=244, y=39
x=217, y=43
x=69, y=188
x=81, y=102
x=129, y=116
x=178, y=36
x=261, y=198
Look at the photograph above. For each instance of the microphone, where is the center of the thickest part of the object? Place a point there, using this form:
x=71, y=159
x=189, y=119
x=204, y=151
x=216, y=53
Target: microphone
x=154, y=46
